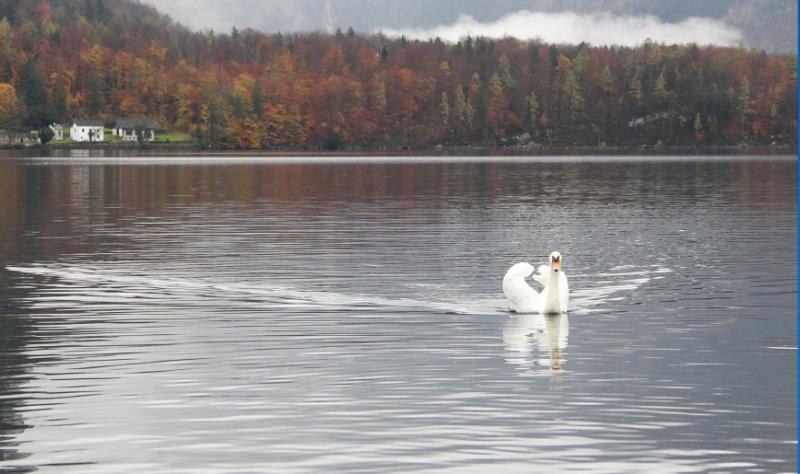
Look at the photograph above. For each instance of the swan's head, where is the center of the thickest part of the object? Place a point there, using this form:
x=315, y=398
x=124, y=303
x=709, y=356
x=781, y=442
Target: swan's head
x=555, y=261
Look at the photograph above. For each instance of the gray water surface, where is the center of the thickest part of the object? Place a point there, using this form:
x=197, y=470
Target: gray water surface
x=240, y=315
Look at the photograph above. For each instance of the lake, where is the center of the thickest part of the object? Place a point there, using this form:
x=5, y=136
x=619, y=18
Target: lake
x=225, y=314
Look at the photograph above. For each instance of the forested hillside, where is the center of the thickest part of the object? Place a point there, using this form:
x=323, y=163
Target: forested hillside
x=61, y=60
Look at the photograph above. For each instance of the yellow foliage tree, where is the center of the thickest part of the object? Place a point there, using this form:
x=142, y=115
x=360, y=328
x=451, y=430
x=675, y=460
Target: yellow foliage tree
x=8, y=104
x=247, y=135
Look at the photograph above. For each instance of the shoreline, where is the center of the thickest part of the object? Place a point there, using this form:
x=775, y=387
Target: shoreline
x=61, y=150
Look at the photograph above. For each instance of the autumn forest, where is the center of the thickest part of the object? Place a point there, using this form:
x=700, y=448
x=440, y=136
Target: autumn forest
x=100, y=59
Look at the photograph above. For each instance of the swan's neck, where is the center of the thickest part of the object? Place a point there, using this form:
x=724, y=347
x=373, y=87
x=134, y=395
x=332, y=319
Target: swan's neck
x=553, y=302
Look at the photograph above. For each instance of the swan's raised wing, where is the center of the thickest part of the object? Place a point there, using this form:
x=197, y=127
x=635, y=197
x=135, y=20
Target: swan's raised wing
x=521, y=270
x=541, y=277
x=521, y=297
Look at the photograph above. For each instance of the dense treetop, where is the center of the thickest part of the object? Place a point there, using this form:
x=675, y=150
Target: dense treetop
x=61, y=60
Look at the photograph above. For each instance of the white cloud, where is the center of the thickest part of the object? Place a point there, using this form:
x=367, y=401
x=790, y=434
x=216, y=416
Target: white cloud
x=568, y=27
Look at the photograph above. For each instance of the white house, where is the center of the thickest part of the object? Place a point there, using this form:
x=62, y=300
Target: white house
x=127, y=127
x=87, y=131
x=58, y=131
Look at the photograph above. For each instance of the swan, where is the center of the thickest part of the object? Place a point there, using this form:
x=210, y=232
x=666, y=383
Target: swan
x=554, y=297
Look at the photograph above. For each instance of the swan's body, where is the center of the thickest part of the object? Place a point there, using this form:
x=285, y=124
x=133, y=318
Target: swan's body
x=554, y=297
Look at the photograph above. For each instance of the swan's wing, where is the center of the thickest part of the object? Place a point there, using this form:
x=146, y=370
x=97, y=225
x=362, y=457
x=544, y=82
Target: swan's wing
x=521, y=269
x=521, y=297
x=544, y=269
x=541, y=277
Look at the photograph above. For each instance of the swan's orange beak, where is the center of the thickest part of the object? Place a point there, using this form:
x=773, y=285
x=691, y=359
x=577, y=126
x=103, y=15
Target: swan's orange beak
x=556, y=265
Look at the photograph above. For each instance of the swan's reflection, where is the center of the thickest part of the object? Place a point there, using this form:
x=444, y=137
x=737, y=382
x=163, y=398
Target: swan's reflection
x=527, y=337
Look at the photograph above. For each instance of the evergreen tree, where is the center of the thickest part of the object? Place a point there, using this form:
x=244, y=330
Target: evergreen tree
x=635, y=90
x=498, y=104
x=607, y=82
x=45, y=135
x=571, y=99
x=470, y=114
x=660, y=93
x=7, y=51
x=533, y=114
x=605, y=101
x=504, y=73
x=572, y=95
x=98, y=11
x=743, y=106
x=698, y=128
x=712, y=126
x=258, y=100
x=477, y=103
x=95, y=89
x=217, y=132
x=581, y=59
x=461, y=109
x=495, y=84
x=34, y=96
x=445, y=109
x=58, y=100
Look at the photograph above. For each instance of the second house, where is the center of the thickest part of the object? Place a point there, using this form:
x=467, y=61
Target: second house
x=86, y=131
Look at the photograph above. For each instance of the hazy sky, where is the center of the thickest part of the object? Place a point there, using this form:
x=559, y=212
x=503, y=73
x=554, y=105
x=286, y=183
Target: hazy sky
x=222, y=16
x=564, y=27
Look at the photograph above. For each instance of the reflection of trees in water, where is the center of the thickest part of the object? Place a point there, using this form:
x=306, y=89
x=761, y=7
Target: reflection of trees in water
x=16, y=328
x=535, y=340
x=71, y=195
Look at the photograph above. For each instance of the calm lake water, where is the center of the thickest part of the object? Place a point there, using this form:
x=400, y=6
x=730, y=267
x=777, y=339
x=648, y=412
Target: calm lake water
x=241, y=315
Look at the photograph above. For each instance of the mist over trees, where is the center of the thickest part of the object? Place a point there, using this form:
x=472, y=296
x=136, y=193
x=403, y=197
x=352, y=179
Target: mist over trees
x=104, y=58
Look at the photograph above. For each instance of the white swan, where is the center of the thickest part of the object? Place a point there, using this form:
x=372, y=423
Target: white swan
x=553, y=299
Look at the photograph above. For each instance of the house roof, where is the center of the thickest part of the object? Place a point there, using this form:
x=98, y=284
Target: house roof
x=135, y=122
x=89, y=123
x=56, y=126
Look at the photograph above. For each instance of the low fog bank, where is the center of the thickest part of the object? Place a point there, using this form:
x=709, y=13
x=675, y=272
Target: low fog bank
x=596, y=29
